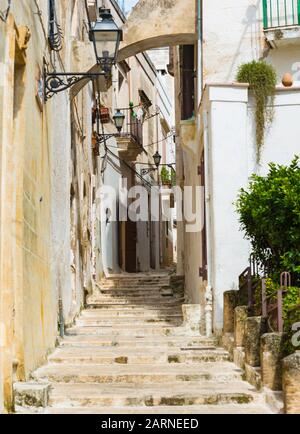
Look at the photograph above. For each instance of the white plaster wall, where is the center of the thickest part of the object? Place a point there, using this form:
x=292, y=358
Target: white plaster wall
x=109, y=230
x=232, y=161
x=233, y=35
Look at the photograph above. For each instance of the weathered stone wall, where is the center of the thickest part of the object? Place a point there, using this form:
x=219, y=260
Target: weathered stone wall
x=27, y=300
x=35, y=231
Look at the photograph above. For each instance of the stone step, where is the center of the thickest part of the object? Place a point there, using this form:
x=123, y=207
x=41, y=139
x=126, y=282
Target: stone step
x=131, y=331
x=108, y=356
x=134, y=283
x=137, y=277
x=132, y=287
x=133, y=310
x=143, y=298
x=148, y=342
x=138, y=374
x=188, y=410
x=129, y=318
x=161, y=296
x=154, y=303
x=130, y=292
x=127, y=321
x=111, y=395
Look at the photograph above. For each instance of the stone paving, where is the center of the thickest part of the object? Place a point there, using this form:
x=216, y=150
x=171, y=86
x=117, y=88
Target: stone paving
x=131, y=352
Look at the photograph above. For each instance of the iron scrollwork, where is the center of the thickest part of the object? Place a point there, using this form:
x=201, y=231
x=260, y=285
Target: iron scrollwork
x=56, y=82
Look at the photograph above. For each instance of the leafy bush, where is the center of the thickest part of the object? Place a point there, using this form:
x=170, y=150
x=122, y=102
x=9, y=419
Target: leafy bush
x=165, y=176
x=262, y=79
x=269, y=213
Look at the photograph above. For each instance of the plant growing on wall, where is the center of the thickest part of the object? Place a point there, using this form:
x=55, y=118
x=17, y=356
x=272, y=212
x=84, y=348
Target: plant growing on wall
x=262, y=79
x=269, y=213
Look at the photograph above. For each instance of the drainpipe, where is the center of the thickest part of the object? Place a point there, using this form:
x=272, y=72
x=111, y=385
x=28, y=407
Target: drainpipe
x=200, y=48
x=209, y=287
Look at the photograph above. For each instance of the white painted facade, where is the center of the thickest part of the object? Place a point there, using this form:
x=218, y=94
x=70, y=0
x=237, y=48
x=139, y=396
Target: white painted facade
x=232, y=160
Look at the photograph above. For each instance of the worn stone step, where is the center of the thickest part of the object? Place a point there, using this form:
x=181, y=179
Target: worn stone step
x=133, y=311
x=139, y=322
x=137, y=301
x=137, y=293
x=148, y=304
x=132, y=331
x=125, y=356
x=57, y=373
x=95, y=395
x=145, y=299
x=126, y=283
x=128, y=321
x=138, y=308
x=128, y=315
x=188, y=410
x=147, y=342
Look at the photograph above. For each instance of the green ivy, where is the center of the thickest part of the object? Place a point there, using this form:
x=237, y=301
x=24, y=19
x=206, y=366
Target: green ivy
x=262, y=79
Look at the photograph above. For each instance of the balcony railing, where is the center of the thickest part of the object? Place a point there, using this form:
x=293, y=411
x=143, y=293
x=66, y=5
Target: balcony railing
x=133, y=127
x=281, y=13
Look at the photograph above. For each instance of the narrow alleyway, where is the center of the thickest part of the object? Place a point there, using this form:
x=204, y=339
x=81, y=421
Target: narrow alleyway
x=130, y=353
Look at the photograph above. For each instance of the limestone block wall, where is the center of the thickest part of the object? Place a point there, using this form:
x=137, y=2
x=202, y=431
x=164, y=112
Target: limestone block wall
x=26, y=291
x=36, y=179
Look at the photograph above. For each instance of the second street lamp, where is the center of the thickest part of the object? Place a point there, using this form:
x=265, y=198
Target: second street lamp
x=157, y=159
x=119, y=119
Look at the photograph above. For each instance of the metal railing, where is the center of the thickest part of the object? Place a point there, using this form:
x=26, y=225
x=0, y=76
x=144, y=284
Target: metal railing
x=281, y=13
x=272, y=307
x=253, y=292
x=250, y=281
x=133, y=126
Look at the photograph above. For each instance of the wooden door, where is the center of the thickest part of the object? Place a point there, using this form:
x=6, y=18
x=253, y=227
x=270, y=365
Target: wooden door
x=131, y=251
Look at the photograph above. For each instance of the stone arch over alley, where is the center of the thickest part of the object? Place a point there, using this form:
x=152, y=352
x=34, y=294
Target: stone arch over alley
x=158, y=23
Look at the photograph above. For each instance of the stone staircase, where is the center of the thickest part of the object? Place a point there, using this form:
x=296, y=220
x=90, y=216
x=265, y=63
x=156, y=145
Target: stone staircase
x=131, y=352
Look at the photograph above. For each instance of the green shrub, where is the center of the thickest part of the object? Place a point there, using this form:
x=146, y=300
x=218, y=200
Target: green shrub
x=262, y=79
x=165, y=176
x=269, y=213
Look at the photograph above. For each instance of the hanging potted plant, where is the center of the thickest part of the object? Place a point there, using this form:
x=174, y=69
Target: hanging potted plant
x=262, y=79
x=104, y=115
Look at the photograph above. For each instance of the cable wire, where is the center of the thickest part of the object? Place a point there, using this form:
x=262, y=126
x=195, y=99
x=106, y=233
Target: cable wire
x=4, y=14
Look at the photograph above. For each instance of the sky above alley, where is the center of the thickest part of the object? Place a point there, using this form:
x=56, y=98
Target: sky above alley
x=129, y=4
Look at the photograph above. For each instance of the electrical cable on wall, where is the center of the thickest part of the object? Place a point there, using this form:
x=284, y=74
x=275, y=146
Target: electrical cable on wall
x=146, y=146
x=4, y=14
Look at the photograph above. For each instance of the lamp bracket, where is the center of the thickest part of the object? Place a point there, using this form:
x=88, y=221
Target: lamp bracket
x=147, y=171
x=102, y=138
x=56, y=82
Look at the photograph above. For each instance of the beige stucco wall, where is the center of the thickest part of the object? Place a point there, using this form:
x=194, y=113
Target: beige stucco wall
x=36, y=177
x=27, y=301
